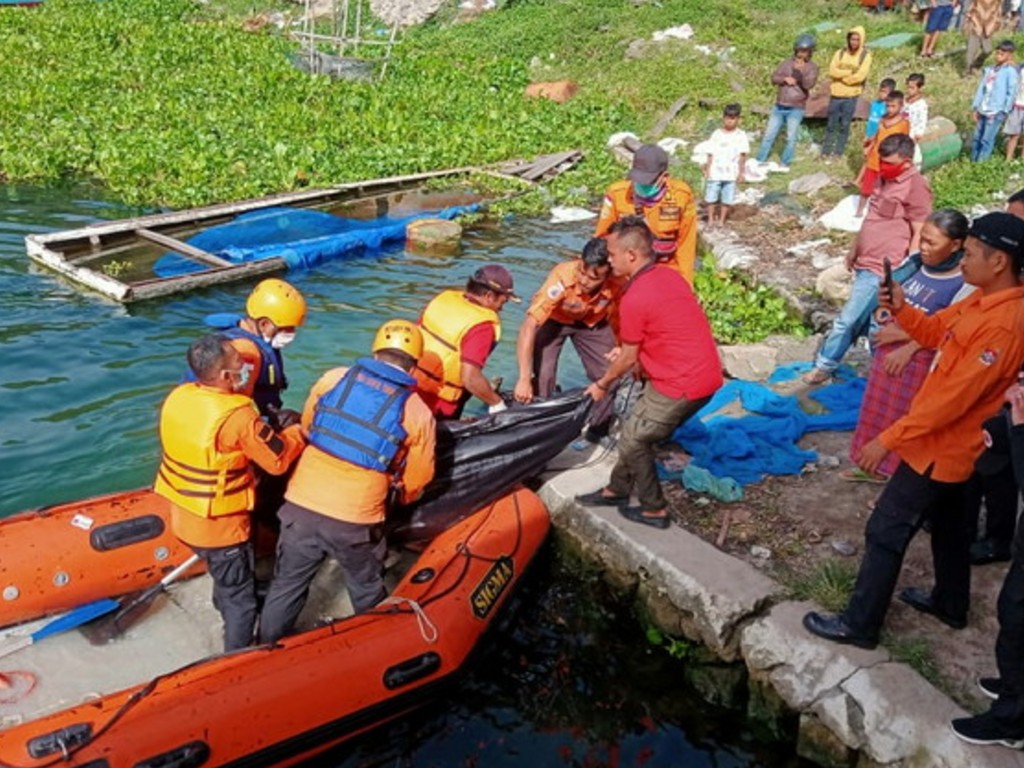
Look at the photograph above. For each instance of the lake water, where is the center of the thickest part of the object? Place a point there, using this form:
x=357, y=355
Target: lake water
x=573, y=684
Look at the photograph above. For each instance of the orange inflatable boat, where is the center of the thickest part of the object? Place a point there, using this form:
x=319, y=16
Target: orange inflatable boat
x=163, y=695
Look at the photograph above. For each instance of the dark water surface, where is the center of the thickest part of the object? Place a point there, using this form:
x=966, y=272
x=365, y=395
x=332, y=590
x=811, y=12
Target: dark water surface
x=573, y=683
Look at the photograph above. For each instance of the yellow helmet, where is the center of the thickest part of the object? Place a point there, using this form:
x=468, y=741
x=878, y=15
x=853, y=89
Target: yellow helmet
x=401, y=335
x=277, y=301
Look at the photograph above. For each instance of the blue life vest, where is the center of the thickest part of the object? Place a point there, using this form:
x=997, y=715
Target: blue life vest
x=270, y=378
x=360, y=419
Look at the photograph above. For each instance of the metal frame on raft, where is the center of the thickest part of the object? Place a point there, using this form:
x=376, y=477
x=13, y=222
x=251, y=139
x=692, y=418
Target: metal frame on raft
x=75, y=253
x=344, y=38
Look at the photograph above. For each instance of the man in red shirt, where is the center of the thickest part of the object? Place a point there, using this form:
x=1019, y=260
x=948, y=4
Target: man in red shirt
x=576, y=302
x=662, y=330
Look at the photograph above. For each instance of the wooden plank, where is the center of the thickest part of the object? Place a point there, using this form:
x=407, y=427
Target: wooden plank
x=198, y=254
x=549, y=163
x=165, y=286
x=665, y=119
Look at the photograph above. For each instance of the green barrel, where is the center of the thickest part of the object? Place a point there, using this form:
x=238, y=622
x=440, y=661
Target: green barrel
x=940, y=150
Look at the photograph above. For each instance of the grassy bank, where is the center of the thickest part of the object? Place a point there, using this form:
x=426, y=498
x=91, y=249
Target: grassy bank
x=171, y=102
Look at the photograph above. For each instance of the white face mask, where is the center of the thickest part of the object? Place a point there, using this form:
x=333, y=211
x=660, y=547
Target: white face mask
x=282, y=339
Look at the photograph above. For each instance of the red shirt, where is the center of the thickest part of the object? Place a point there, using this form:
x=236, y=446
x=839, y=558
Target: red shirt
x=660, y=314
x=886, y=232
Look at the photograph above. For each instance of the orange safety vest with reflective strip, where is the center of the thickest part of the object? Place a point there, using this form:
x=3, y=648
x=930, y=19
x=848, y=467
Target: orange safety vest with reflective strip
x=445, y=322
x=669, y=219
x=193, y=473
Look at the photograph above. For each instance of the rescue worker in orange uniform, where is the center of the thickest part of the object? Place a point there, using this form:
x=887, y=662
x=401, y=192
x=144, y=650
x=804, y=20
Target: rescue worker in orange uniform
x=370, y=437
x=460, y=330
x=210, y=432
x=274, y=309
x=666, y=205
x=576, y=301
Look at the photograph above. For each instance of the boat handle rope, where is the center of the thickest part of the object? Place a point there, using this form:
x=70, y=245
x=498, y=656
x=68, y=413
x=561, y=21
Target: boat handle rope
x=428, y=630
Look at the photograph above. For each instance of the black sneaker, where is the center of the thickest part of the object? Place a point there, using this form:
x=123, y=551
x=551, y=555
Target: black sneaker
x=989, y=551
x=990, y=686
x=985, y=729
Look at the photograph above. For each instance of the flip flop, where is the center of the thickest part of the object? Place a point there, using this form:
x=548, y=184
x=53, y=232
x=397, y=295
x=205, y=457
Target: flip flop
x=857, y=475
x=816, y=376
x=636, y=514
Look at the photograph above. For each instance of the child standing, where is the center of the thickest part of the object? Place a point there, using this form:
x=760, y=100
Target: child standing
x=915, y=109
x=936, y=22
x=892, y=122
x=1015, y=121
x=725, y=166
x=877, y=108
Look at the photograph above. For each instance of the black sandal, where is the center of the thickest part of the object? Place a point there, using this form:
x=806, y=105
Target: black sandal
x=637, y=515
x=599, y=499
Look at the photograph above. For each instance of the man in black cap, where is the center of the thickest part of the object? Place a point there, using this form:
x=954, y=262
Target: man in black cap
x=666, y=205
x=1004, y=722
x=979, y=350
x=460, y=330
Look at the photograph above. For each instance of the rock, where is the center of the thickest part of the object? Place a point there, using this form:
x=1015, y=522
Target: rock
x=405, y=13
x=729, y=251
x=808, y=185
x=835, y=283
x=844, y=547
x=818, y=744
x=792, y=349
x=439, y=236
x=824, y=260
x=829, y=462
x=750, y=362
x=762, y=553
x=559, y=91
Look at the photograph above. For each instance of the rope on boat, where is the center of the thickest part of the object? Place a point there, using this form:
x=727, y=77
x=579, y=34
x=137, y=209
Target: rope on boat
x=427, y=628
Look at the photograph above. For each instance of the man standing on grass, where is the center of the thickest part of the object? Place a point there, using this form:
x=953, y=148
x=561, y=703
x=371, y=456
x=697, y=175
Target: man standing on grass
x=980, y=347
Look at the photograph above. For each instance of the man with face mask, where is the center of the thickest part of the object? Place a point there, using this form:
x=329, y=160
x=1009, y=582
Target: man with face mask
x=897, y=209
x=274, y=309
x=665, y=204
x=211, y=434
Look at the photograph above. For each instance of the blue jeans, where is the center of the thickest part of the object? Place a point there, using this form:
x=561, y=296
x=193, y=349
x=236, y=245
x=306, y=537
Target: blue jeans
x=985, y=133
x=852, y=321
x=792, y=116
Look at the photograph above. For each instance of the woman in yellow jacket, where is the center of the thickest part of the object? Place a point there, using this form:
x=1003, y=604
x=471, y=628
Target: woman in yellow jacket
x=848, y=71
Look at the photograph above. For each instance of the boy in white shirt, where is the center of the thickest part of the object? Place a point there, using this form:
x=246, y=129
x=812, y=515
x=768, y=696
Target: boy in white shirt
x=915, y=110
x=725, y=165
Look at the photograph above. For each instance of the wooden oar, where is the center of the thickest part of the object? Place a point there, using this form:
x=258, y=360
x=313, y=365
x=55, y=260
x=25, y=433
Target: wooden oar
x=131, y=608
x=73, y=618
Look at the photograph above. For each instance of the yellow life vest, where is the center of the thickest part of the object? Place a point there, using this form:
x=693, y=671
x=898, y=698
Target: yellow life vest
x=445, y=322
x=193, y=474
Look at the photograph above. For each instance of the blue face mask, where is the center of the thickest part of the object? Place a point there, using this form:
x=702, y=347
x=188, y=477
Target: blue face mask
x=647, y=190
x=243, y=376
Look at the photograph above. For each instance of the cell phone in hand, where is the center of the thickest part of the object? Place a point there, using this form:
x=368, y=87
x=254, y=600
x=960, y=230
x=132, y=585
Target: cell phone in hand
x=887, y=266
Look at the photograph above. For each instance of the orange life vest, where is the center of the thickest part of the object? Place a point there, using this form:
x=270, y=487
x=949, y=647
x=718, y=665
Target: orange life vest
x=193, y=473
x=446, y=320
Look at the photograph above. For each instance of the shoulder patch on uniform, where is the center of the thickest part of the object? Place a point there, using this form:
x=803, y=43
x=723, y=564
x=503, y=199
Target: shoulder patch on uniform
x=988, y=356
x=556, y=290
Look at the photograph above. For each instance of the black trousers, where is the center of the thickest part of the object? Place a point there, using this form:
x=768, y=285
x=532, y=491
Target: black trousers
x=307, y=539
x=1009, y=708
x=906, y=502
x=1000, y=493
x=234, y=590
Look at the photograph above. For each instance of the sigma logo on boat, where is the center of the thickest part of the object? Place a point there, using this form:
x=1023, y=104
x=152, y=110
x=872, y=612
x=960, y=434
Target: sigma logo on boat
x=490, y=589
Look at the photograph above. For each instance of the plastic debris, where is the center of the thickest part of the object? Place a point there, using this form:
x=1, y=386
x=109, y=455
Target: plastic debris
x=562, y=214
x=843, y=216
x=682, y=32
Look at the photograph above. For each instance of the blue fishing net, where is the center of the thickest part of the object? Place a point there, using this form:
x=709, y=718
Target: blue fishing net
x=764, y=442
x=303, y=238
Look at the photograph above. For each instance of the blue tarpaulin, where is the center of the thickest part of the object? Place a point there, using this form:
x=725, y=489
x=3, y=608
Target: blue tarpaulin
x=746, y=448
x=301, y=237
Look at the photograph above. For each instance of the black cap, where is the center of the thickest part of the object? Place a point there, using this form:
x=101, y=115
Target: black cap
x=1001, y=230
x=996, y=456
x=649, y=162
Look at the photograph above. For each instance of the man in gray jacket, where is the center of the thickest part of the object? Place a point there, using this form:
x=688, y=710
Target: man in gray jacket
x=795, y=77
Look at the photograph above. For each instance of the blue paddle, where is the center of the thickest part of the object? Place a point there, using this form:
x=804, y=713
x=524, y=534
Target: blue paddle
x=73, y=618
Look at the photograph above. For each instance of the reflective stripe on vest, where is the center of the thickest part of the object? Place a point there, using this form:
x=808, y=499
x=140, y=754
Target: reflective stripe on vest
x=360, y=419
x=446, y=320
x=193, y=474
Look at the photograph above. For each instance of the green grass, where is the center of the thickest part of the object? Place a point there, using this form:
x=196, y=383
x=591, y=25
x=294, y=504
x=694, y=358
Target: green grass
x=917, y=653
x=829, y=584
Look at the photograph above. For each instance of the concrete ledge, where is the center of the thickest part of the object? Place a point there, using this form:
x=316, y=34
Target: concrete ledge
x=855, y=707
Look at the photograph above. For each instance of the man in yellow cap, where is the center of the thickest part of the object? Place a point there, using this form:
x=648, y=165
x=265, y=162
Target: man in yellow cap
x=370, y=436
x=460, y=330
x=274, y=309
x=212, y=435
x=666, y=205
